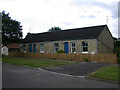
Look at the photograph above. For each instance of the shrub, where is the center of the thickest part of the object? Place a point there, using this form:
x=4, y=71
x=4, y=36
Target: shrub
x=86, y=60
x=54, y=58
x=60, y=51
x=118, y=55
x=118, y=60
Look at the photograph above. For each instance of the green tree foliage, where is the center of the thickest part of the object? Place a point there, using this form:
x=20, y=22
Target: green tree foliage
x=60, y=51
x=117, y=50
x=54, y=29
x=11, y=29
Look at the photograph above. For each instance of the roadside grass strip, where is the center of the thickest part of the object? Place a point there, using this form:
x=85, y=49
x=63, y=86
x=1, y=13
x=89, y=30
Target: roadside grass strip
x=35, y=62
x=107, y=73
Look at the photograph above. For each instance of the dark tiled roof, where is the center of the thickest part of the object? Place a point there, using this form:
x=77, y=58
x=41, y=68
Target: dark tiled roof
x=70, y=34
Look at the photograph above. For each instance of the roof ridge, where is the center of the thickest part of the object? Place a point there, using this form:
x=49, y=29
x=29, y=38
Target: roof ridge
x=68, y=29
x=87, y=27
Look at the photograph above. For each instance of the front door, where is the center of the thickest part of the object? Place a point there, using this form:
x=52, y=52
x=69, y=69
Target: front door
x=34, y=47
x=30, y=47
x=66, y=47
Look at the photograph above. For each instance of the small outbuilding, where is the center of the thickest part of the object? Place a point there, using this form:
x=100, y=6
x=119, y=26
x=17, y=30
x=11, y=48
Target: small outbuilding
x=4, y=50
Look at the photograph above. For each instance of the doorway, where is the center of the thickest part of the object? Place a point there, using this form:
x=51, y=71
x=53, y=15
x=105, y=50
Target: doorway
x=66, y=47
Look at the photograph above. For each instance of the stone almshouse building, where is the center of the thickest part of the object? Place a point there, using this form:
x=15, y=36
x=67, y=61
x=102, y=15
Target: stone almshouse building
x=94, y=39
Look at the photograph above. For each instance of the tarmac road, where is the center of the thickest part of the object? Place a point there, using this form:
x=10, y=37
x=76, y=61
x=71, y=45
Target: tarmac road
x=25, y=77
x=82, y=69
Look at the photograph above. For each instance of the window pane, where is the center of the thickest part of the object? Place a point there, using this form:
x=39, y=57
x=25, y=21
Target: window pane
x=56, y=44
x=30, y=47
x=41, y=47
x=72, y=47
x=56, y=47
x=73, y=44
x=86, y=43
x=83, y=43
x=85, y=49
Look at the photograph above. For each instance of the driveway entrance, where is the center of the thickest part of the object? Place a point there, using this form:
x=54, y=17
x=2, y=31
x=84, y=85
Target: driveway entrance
x=82, y=69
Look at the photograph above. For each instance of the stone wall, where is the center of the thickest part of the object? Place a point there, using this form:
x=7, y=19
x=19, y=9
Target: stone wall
x=105, y=42
x=49, y=46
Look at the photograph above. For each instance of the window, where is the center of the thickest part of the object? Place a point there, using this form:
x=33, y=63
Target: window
x=85, y=46
x=72, y=47
x=24, y=46
x=56, y=47
x=42, y=48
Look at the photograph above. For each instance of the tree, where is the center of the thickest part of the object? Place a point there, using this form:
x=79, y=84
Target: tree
x=54, y=29
x=11, y=29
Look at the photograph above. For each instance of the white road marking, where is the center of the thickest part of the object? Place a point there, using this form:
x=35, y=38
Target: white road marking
x=82, y=77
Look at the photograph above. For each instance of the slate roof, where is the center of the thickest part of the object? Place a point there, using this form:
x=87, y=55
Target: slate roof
x=69, y=34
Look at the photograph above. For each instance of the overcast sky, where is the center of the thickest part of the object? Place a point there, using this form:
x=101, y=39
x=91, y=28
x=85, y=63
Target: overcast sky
x=38, y=16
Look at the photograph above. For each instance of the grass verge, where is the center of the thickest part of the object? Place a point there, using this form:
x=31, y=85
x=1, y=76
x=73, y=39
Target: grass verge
x=35, y=62
x=107, y=73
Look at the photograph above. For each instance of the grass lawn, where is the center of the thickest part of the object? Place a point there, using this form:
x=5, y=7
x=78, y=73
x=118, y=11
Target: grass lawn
x=35, y=62
x=107, y=73
x=0, y=59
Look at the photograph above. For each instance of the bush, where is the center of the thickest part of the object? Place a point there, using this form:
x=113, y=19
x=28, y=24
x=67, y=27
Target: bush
x=86, y=60
x=118, y=55
x=118, y=60
x=60, y=51
x=54, y=58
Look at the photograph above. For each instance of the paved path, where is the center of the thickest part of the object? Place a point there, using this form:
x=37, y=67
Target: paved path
x=24, y=77
x=82, y=69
